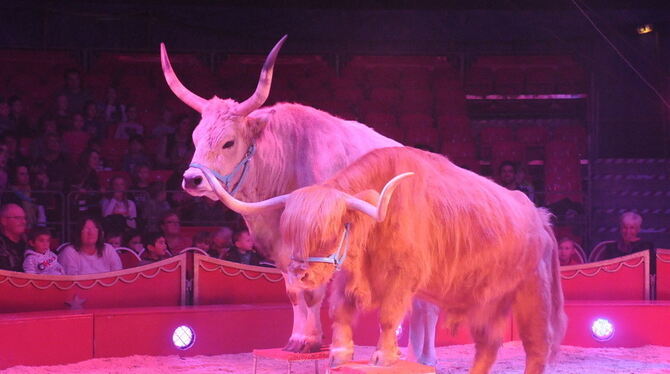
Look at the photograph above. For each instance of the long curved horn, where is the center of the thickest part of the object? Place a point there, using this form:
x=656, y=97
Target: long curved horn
x=242, y=207
x=189, y=98
x=264, y=82
x=377, y=212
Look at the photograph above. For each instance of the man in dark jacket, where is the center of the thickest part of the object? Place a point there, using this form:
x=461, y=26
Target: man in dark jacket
x=12, y=237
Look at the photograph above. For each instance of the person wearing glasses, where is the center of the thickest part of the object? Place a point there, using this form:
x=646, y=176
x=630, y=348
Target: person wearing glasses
x=13, y=224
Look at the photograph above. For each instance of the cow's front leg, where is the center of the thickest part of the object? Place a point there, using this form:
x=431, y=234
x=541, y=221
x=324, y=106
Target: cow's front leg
x=343, y=314
x=307, y=334
x=391, y=314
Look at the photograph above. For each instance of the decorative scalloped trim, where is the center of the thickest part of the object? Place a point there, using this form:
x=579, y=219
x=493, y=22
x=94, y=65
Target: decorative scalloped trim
x=237, y=269
x=663, y=255
x=78, y=283
x=602, y=268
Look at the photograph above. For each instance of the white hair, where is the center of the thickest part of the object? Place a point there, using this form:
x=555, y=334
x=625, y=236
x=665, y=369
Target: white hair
x=631, y=217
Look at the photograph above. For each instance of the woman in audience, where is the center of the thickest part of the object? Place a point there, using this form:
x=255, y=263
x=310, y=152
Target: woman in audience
x=119, y=203
x=88, y=254
x=171, y=229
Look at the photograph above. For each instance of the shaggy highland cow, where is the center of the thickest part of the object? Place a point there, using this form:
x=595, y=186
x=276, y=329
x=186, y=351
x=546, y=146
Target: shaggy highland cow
x=263, y=152
x=446, y=234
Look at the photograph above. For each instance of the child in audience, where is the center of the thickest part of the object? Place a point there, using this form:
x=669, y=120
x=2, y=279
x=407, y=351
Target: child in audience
x=133, y=240
x=113, y=238
x=38, y=258
x=567, y=253
x=202, y=239
x=243, y=249
x=221, y=242
x=156, y=248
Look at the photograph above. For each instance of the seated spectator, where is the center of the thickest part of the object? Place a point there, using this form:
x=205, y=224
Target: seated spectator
x=507, y=177
x=243, y=250
x=119, y=203
x=11, y=143
x=20, y=193
x=39, y=257
x=141, y=177
x=524, y=183
x=629, y=241
x=4, y=168
x=73, y=90
x=6, y=123
x=22, y=124
x=171, y=228
x=130, y=127
x=54, y=160
x=178, y=148
x=133, y=240
x=88, y=254
x=62, y=112
x=93, y=123
x=165, y=127
x=85, y=182
x=156, y=248
x=202, y=239
x=47, y=127
x=114, y=238
x=12, y=232
x=136, y=155
x=221, y=242
x=112, y=110
x=567, y=253
x=76, y=138
x=155, y=207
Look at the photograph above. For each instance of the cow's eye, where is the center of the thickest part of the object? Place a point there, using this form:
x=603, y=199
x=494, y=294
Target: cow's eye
x=229, y=144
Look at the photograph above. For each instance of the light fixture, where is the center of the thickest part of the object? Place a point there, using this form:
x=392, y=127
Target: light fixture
x=602, y=330
x=183, y=337
x=645, y=29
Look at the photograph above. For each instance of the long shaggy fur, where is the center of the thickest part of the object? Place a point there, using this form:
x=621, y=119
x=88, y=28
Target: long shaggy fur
x=451, y=237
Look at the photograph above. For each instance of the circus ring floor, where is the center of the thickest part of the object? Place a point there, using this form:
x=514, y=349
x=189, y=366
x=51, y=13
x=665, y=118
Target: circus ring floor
x=139, y=340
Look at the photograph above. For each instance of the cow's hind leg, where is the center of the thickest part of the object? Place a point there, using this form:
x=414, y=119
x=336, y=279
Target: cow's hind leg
x=487, y=328
x=422, y=332
x=532, y=315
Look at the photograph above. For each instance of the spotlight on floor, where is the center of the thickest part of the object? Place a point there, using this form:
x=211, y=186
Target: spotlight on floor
x=602, y=330
x=183, y=337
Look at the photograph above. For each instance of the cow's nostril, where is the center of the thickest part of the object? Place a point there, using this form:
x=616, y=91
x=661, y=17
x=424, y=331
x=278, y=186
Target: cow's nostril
x=197, y=180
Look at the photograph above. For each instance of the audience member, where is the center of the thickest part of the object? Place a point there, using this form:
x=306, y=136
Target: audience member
x=85, y=182
x=6, y=123
x=62, y=112
x=93, y=123
x=119, y=203
x=202, y=240
x=156, y=248
x=155, y=207
x=178, y=147
x=568, y=253
x=507, y=177
x=629, y=241
x=130, y=127
x=136, y=155
x=133, y=240
x=39, y=257
x=524, y=183
x=221, y=242
x=74, y=91
x=114, y=238
x=88, y=254
x=76, y=138
x=171, y=229
x=54, y=161
x=113, y=111
x=12, y=237
x=19, y=116
x=20, y=193
x=243, y=250
x=165, y=127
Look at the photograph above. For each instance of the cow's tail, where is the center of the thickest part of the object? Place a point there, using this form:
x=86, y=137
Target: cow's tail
x=557, y=318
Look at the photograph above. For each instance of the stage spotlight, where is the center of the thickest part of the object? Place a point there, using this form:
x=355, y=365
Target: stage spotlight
x=183, y=337
x=602, y=330
x=645, y=29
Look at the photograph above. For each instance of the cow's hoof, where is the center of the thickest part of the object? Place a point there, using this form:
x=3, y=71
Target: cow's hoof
x=383, y=358
x=428, y=361
x=303, y=345
x=339, y=356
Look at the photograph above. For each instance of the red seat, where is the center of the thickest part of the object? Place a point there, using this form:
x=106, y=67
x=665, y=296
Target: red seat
x=415, y=120
x=416, y=78
x=479, y=81
x=532, y=135
x=416, y=100
x=571, y=79
x=422, y=135
x=129, y=258
x=540, y=80
x=352, y=95
x=385, y=95
x=491, y=135
x=379, y=119
x=506, y=151
x=113, y=151
x=509, y=81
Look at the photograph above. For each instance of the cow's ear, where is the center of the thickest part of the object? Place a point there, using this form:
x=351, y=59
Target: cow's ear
x=257, y=121
x=370, y=196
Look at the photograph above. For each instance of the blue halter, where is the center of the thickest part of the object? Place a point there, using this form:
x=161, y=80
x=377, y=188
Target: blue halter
x=227, y=179
x=336, y=258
